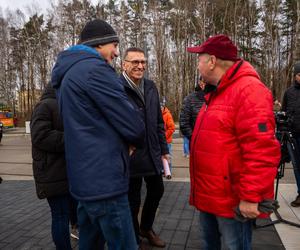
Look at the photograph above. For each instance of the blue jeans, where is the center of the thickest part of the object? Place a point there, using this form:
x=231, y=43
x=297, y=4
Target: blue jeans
x=233, y=234
x=73, y=211
x=170, y=152
x=186, y=146
x=60, y=212
x=108, y=221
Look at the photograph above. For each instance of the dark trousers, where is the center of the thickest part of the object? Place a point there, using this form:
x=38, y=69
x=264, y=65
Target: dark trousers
x=155, y=190
x=63, y=209
x=73, y=211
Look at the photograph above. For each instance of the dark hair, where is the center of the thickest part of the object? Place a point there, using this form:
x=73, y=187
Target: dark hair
x=133, y=49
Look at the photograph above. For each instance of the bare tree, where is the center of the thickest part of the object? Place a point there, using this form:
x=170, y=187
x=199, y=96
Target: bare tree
x=267, y=34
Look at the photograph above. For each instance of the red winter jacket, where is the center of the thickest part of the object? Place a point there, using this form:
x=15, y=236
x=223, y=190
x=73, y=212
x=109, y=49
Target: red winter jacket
x=234, y=153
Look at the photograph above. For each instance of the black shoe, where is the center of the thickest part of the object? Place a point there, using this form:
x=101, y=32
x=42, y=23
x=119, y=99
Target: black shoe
x=296, y=202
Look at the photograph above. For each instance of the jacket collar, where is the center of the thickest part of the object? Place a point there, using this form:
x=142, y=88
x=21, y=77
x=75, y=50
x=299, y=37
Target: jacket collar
x=239, y=69
x=296, y=85
x=128, y=83
x=229, y=74
x=85, y=48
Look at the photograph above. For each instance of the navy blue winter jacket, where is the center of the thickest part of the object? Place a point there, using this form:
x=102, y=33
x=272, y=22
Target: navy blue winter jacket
x=99, y=124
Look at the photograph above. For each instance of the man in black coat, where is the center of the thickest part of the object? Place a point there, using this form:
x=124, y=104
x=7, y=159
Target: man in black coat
x=145, y=162
x=49, y=167
x=291, y=105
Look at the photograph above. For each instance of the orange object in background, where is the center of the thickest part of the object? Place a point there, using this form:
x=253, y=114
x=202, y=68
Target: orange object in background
x=7, y=119
x=169, y=123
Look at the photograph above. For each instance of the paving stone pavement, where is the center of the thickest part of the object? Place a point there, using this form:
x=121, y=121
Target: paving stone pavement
x=25, y=220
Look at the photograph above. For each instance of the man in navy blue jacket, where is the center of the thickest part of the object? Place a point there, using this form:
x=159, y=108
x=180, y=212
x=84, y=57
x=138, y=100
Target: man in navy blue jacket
x=146, y=161
x=100, y=127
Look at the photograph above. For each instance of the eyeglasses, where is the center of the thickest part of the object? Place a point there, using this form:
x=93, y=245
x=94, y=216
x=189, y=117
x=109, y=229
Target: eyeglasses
x=137, y=62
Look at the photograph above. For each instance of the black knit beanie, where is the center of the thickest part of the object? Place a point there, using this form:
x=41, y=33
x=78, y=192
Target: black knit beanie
x=97, y=32
x=297, y=68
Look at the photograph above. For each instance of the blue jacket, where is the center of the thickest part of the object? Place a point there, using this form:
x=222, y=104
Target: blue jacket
x=99, y=124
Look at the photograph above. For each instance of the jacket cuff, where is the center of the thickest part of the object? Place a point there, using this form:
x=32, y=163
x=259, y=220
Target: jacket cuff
x=251, y=197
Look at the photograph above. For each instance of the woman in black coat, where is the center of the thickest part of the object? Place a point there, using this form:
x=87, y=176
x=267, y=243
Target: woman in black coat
x=192, y=104
x=49, y=167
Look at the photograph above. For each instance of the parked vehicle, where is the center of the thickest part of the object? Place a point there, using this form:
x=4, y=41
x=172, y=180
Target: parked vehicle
x=6, y=118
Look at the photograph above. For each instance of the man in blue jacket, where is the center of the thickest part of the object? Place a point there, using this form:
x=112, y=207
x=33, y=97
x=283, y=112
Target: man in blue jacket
x=101, y=126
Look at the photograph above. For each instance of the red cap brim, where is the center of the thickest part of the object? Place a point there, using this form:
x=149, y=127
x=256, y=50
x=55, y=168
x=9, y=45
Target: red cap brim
x=196, y=49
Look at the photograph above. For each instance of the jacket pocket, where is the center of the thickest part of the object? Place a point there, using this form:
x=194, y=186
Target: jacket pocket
x=211, y=174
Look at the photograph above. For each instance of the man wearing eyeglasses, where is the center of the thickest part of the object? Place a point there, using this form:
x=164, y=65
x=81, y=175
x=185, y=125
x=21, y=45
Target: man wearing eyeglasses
x=145, y=162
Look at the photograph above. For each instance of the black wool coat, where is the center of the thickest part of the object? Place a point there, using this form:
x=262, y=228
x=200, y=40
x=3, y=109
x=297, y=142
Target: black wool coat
x=291, y=105
x=146, y=160
x=47, y=138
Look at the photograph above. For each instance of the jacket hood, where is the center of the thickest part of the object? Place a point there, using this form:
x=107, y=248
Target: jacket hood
x=49, y=92
x=67, y=58
x=165, y=110
x=240, y=69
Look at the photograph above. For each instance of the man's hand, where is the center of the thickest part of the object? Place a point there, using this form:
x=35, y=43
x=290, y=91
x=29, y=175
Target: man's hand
x=248, y=209
x=167, y=157
x=131, y=150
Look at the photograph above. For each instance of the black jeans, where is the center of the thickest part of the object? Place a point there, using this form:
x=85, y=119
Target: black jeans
x=155, y=190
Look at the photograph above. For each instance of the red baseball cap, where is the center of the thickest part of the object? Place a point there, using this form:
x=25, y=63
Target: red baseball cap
x=220, y=46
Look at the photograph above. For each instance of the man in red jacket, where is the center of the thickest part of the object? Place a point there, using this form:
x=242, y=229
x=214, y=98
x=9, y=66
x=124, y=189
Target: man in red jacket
x=234, y=153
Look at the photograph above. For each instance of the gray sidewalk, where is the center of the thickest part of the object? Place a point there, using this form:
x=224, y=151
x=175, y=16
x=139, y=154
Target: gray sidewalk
x=25, y=220
x=289, y=235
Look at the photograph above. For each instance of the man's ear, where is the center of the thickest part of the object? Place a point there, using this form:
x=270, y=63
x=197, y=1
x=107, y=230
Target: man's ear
x=213, y=61
x=123, y=65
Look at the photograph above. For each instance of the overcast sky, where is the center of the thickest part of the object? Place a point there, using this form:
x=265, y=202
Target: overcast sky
x=21, y=4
